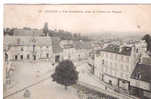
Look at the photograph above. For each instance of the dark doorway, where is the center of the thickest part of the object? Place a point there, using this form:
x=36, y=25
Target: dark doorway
x=34, y=57
x=16, y=57
x=57, y=58
x=21, y=57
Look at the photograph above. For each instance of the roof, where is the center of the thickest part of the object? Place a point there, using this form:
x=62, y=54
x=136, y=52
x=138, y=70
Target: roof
x=56, y=48
x=142, y=72
x=126, y=51
x=27, y=32
x=82, y=45
x=118, y=50
x=27, y=40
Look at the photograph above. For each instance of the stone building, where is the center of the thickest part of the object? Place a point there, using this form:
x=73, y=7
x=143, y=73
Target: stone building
x=21, y=48
x=114, y=64
x=141, y=78
x=75, y=50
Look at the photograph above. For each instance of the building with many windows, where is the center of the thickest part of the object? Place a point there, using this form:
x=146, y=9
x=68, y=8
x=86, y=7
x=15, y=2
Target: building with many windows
x=19, y=48
x=114, y=64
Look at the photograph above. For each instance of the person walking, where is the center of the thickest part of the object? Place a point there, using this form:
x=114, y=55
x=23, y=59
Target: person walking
x=27, y=94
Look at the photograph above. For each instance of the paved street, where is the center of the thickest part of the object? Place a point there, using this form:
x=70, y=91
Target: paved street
x=29, y=75
x=36, y=78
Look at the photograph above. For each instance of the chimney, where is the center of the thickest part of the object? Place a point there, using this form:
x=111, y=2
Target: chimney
x=121, y=47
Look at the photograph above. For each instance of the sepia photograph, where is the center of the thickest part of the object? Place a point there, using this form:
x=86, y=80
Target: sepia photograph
x=77, y=51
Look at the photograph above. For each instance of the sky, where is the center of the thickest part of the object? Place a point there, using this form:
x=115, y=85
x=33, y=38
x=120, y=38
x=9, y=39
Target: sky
x=81, y=18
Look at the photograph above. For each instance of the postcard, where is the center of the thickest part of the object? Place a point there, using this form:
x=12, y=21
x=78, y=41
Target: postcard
x=77, y=51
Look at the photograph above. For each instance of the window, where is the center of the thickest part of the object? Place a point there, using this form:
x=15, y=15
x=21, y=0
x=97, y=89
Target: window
x=16, y=57
x=47, y=55
x=122, y=68
x=106, y=63
x=137, y=50
x=28, y=57
x=111, y=56
x=34, y=56
x=115, y=65
x=127, y=59
x=22, y=49
x=121, y=58
x=111, y=64
x=18, y=41
x=127, y=68
x=106, y=55
x=103, y=62
x=116, y=57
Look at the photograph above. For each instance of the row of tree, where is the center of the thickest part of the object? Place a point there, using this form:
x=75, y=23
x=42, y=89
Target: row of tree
x=64, y=35
x=8, y=31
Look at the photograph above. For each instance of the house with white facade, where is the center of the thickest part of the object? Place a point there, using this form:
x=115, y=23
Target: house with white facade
x=21, y=48
x=114, y=64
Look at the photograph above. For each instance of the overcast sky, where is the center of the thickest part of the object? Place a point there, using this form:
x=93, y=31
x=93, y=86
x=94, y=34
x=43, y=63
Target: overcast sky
x=124, y=18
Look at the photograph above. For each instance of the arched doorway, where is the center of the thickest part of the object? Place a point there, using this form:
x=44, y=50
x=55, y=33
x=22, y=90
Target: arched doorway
x=21, y=57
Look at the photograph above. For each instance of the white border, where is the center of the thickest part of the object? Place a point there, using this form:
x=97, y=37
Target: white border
x=1, y=50
x=51, y=2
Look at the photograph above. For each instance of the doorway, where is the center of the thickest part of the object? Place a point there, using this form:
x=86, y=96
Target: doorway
x=34, y=56
x=21, y=57
x=16, y=57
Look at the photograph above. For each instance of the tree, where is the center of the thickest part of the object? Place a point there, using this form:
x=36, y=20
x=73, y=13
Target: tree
x=9, y=31
x=147, y=38
x=65, y=73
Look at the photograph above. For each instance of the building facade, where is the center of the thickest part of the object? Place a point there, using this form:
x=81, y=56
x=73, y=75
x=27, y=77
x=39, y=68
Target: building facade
x=115, y=64
x=20, y=48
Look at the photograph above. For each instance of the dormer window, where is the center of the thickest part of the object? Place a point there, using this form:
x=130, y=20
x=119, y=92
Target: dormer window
x=138, y=76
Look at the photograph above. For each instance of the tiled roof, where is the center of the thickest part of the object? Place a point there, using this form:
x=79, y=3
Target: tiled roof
x=27, y=40
x=126, y=51
x=116, y=49
x=112, y=48
x=27, y=32
x=142, y=72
